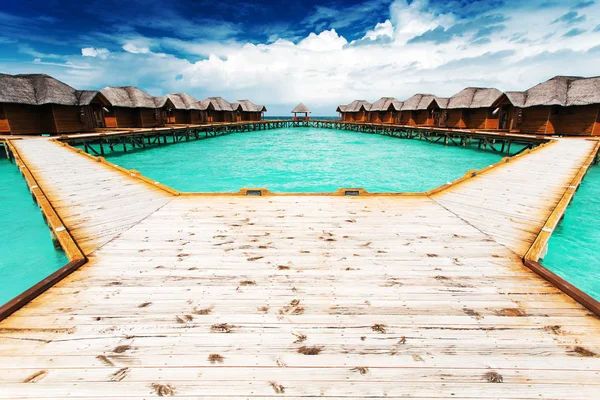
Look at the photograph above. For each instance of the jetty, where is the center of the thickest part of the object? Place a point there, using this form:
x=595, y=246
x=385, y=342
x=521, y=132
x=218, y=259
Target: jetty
x=340, y=295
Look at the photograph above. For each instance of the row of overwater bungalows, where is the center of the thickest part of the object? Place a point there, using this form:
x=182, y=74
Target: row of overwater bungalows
x=40, y=104
x=562, y=105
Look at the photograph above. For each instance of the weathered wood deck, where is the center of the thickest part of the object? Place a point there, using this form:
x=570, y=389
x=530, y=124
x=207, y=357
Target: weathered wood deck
x=223, y=296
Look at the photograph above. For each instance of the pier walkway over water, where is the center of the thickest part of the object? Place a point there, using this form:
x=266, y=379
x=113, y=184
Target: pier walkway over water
x=293, y=296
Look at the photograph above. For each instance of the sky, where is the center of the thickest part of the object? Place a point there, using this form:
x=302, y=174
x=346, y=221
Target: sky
x=321, y=53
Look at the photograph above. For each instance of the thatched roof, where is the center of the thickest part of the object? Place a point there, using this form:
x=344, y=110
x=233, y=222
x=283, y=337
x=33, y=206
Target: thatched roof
x=442, y=102
x=341, y=109
x=356, y=106
x=38, y=89
x=130, y=97
x=248, y=106
x=300, y=108
x=474, y=98
x=216, y=104
x=564, y=91
x=386, y=104
x=517, y=99
x=180, y=101
x=418, y=102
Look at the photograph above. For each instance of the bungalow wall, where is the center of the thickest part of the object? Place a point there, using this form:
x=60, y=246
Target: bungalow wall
x=197, y=117
x=535, y=120
x=4, y=126
x=374, y=117
x=405, y=117
x=151, y=117
x=220, y=116
x=251, y=116
x=26, y=119
x=421, y=118
x=361, y=116
x=122, y=117
x=180, y=117
x=475, y=118
x=454, y=119
x=577, y=120
x=387, y=117
x=69, y=119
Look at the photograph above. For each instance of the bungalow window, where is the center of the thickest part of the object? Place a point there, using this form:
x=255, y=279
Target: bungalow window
x=81, y=114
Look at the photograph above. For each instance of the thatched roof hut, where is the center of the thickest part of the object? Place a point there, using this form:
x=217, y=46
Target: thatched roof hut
x=39, y=89
x=38, y=103
x=417, y=102
x=565, y=91
x=180, y=101
x=474, y=98
x=356, y=106
x=386, y=104
x=216, y=103
x=129, y=97
x=300, y=108
x=248, y=106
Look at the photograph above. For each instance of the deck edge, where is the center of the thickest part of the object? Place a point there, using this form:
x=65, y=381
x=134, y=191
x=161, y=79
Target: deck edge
x=76, y=256
x=533, y=255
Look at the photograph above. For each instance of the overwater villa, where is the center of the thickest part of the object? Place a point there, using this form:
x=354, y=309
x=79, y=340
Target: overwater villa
x=385, y=111
x=218, y=110
x=301, y=109
x=471, y=108
x=38, y=103
x=134, y=108
x=185, y=109
x=248, y=111
x=357, y=111
x=562, y=105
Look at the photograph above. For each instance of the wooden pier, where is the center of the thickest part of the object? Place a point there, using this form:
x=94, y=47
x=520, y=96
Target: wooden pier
x=296, y=297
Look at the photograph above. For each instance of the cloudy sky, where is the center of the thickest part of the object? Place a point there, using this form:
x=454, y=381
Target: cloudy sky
x=319, y=52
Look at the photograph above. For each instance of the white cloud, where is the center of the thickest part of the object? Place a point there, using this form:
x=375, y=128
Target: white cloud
x=93, y=52
x=414, y=19
x=134, y=48
x=381, y=29
x=324, y=41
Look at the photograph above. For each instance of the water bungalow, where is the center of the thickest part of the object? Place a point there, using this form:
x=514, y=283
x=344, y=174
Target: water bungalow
x=133, y=108
x=475, y=108
x=41, y=104
x=248, y=111
x=385, y=111
x=562, y=105
x=185, y=109
x=416, y=111
x=357, y=111
x=218, y=109
x=301, y=109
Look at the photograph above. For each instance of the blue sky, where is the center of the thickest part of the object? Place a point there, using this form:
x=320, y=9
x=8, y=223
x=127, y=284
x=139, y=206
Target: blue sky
x=319, y=52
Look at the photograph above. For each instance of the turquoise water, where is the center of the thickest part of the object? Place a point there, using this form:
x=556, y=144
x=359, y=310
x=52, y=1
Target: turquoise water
x=304, y=160
x=27, y=253
x=574, y=247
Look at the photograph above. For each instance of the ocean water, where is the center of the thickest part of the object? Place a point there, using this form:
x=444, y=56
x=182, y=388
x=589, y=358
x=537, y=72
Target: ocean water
x=27, y=253
x=574, y=247
x=304, y=160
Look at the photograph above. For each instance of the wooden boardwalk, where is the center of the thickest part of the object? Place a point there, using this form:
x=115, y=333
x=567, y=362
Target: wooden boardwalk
x=297, y=297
